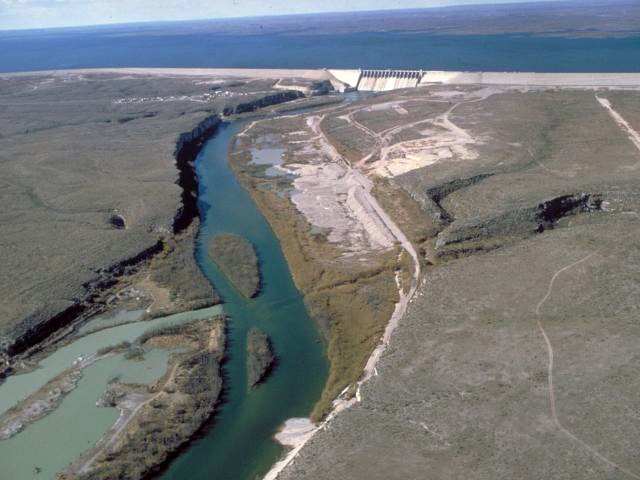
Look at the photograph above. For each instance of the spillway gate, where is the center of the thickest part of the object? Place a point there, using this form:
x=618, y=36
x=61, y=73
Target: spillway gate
x=385, y=80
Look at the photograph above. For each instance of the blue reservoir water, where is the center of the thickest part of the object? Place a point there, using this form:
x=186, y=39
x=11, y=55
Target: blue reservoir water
x=177, y=47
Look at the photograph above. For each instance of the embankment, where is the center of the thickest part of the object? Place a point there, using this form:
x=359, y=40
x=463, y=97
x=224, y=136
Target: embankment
x=266, y=101
x=187, y=149
x=34, y=330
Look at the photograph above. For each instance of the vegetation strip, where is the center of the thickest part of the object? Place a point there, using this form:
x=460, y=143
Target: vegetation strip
x=260, y=356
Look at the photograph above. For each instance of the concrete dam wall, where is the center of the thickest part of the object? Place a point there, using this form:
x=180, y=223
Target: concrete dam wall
x=385, y=80
x=378, y=80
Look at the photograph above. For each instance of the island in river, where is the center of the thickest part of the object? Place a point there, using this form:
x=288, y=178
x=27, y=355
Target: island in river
x=237, y=259
x=260, y=356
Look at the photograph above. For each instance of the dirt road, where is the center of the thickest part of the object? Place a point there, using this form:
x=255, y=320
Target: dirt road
x=550, y=374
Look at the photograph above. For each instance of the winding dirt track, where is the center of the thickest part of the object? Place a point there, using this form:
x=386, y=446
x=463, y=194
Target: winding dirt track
x=125, y=419
x=552, y=395
x=382, y=141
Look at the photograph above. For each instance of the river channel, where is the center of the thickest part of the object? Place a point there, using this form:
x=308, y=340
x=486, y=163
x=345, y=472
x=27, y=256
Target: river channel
x=238, y=444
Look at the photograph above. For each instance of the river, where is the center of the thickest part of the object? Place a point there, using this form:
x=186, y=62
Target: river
x=238, y=441
x=238, y=444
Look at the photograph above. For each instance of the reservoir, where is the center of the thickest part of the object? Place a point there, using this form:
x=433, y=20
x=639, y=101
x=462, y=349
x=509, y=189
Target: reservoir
x=176, y=46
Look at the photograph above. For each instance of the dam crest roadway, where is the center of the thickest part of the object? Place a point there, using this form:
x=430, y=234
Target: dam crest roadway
x=386, y=80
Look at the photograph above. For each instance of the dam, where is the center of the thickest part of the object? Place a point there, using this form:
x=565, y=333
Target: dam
x=377, y=80
x=385, y=80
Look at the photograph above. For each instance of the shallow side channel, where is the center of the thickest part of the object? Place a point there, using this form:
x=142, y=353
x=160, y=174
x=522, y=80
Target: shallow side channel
x=239, y=443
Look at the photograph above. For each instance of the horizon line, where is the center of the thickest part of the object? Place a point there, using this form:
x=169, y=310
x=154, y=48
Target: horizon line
x=488, y=3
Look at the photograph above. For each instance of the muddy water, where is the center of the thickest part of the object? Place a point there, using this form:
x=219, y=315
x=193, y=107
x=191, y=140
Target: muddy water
x=238, y=444
x=42, y=450
x=18, y=387
x=270, y=156
x=47, y=446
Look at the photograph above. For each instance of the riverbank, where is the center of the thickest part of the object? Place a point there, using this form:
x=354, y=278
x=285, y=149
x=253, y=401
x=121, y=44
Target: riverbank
x=162, y=282
x=475, y=352
x=119, y=234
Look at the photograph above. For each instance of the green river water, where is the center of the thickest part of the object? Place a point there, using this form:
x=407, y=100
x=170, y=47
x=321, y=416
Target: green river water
x=238, y=444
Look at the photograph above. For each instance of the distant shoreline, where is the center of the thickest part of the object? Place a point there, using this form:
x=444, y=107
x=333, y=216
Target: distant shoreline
x=319, y=74
x=431, y=77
